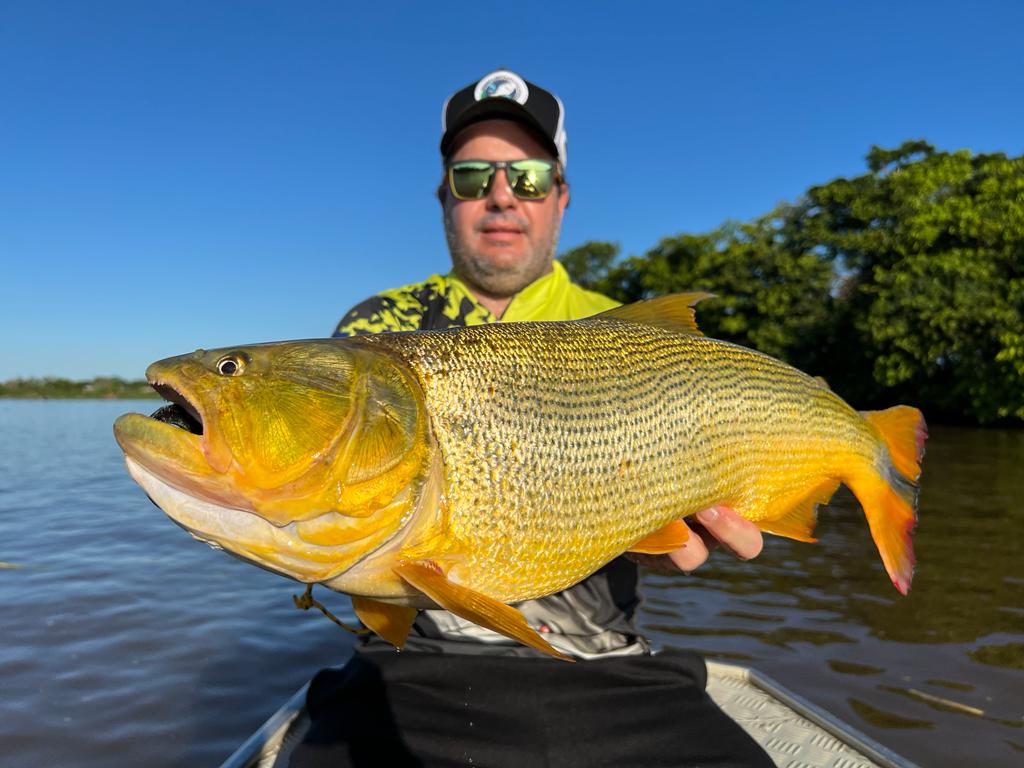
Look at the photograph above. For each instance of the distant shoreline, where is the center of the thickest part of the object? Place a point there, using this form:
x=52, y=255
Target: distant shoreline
x=52, y=388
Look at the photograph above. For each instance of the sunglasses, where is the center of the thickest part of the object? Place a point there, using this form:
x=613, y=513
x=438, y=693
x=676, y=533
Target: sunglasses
x=529, y=179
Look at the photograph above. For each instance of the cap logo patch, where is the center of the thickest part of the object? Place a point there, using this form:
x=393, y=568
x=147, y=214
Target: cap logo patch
x=502, y=85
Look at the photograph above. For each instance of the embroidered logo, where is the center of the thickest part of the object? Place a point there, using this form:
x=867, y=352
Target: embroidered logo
x=502, y=85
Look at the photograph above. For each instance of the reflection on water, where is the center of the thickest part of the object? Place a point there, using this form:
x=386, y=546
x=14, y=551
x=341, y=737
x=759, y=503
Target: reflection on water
x=824, y=619
x=127, y=643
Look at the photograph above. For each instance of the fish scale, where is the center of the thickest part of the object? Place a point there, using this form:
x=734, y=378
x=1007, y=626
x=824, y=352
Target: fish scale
x=552, y=470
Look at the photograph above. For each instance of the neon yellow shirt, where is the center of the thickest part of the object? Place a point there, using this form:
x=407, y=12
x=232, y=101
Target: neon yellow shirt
x=443, y=301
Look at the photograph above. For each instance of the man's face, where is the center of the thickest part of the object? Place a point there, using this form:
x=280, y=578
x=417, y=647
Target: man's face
x=500, y=244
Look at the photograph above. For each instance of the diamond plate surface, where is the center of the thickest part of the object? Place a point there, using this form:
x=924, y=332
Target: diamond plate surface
x=790, y=739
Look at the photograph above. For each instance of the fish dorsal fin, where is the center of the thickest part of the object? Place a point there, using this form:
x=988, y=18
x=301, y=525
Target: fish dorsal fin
x=673, y=312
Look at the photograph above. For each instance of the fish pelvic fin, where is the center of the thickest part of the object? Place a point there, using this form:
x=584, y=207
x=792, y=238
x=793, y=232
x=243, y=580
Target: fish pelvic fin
x=797, y=519
x=391, y=622
x=889, y=494
x=428, y=578
x=667, y=539
x=673, y=312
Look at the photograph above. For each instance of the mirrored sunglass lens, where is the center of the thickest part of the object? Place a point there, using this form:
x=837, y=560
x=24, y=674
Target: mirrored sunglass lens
x=470, y=180
x=530, y=178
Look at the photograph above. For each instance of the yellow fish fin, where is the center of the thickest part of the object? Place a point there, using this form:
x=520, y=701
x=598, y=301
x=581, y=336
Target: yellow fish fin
x=392, y=622
x=797, y=520
x=820, y=380
x=667, y=539
x=427, y=577
x=673, y=312
x=904, y=432
x=890, y=505
x=889, y=496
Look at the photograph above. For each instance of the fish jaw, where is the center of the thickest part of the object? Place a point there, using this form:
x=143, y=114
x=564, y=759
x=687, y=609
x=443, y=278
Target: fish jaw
x=171, y=453
x=190, y=460
x=281, y=549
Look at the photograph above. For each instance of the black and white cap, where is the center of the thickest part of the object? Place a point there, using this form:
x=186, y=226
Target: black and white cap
x=505, y=95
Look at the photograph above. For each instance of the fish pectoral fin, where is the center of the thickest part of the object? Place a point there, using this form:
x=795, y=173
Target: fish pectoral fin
x=428, y=578
x=667, y=539
x=673, y=312
x=797, y=520
x=391, y=622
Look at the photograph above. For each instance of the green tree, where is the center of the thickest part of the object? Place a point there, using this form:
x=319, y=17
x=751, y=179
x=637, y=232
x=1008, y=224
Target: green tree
x=928, y=248
x=903, y=284
x=767, y=297
x=588, y=264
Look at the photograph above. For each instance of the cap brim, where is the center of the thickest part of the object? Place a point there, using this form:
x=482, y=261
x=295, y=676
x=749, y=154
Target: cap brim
x=496, y=109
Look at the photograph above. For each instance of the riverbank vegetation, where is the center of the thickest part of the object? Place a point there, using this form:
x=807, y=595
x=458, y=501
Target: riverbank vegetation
x=107, y=387
x=902, y=285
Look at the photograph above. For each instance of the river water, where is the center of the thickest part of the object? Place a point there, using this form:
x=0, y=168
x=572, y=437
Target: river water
x=125, y=642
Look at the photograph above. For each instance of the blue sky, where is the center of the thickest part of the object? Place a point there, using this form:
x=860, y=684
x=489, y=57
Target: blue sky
x=177, y=175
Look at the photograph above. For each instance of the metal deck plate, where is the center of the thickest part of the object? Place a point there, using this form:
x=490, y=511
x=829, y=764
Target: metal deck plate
x=794, y=732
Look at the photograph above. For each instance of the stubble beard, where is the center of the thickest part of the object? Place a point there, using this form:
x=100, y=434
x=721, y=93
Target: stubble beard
x=499, y=282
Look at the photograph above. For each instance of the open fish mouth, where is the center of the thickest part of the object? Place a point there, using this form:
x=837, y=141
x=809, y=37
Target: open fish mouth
x=173, y=440
x=178, y=412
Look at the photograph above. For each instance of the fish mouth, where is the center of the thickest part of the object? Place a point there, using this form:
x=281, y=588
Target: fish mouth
x=179, y=411
x=172, y=440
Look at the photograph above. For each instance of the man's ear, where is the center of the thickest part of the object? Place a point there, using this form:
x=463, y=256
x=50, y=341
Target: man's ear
x=563, y=196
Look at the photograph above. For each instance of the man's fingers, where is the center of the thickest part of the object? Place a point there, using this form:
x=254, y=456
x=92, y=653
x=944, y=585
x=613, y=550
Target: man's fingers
x=738, y=535
x=691, y=555
x=716, y=526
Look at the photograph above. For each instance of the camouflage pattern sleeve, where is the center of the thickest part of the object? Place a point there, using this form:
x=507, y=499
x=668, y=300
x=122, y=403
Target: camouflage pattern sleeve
x=431, y=304
x=374, y=315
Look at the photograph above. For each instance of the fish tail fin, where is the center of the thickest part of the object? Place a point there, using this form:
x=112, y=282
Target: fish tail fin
x=889, y=492
x=904, y=432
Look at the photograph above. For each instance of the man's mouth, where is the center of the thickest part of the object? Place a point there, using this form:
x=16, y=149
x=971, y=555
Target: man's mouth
x=501, y=233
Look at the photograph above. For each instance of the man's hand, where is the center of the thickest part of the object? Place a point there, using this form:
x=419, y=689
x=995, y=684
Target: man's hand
x=713, y=527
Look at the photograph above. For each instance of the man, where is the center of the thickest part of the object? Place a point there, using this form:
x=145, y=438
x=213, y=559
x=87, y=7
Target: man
x=503, y=196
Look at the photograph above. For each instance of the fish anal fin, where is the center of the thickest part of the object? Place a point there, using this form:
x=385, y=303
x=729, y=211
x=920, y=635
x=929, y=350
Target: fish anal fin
x=796, y=520
x=673, y=312
x=391, y=622
x=428, y=578
x=667, y=539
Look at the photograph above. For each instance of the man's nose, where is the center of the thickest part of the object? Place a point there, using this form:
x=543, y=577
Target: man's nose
x=500, y=196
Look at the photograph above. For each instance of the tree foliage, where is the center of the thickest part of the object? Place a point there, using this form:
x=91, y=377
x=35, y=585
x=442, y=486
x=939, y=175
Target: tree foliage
x=104, y=387
x=904, y=284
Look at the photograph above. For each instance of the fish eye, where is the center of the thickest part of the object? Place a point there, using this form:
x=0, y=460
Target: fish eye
x=232, y=364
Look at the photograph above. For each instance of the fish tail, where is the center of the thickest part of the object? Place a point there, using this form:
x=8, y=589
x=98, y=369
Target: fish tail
x=889, y=492
x=904, y=432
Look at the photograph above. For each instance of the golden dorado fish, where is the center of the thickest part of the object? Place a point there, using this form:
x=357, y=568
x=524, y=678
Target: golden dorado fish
x=470, y=468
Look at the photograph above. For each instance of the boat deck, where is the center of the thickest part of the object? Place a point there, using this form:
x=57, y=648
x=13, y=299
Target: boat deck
x=794, y=732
